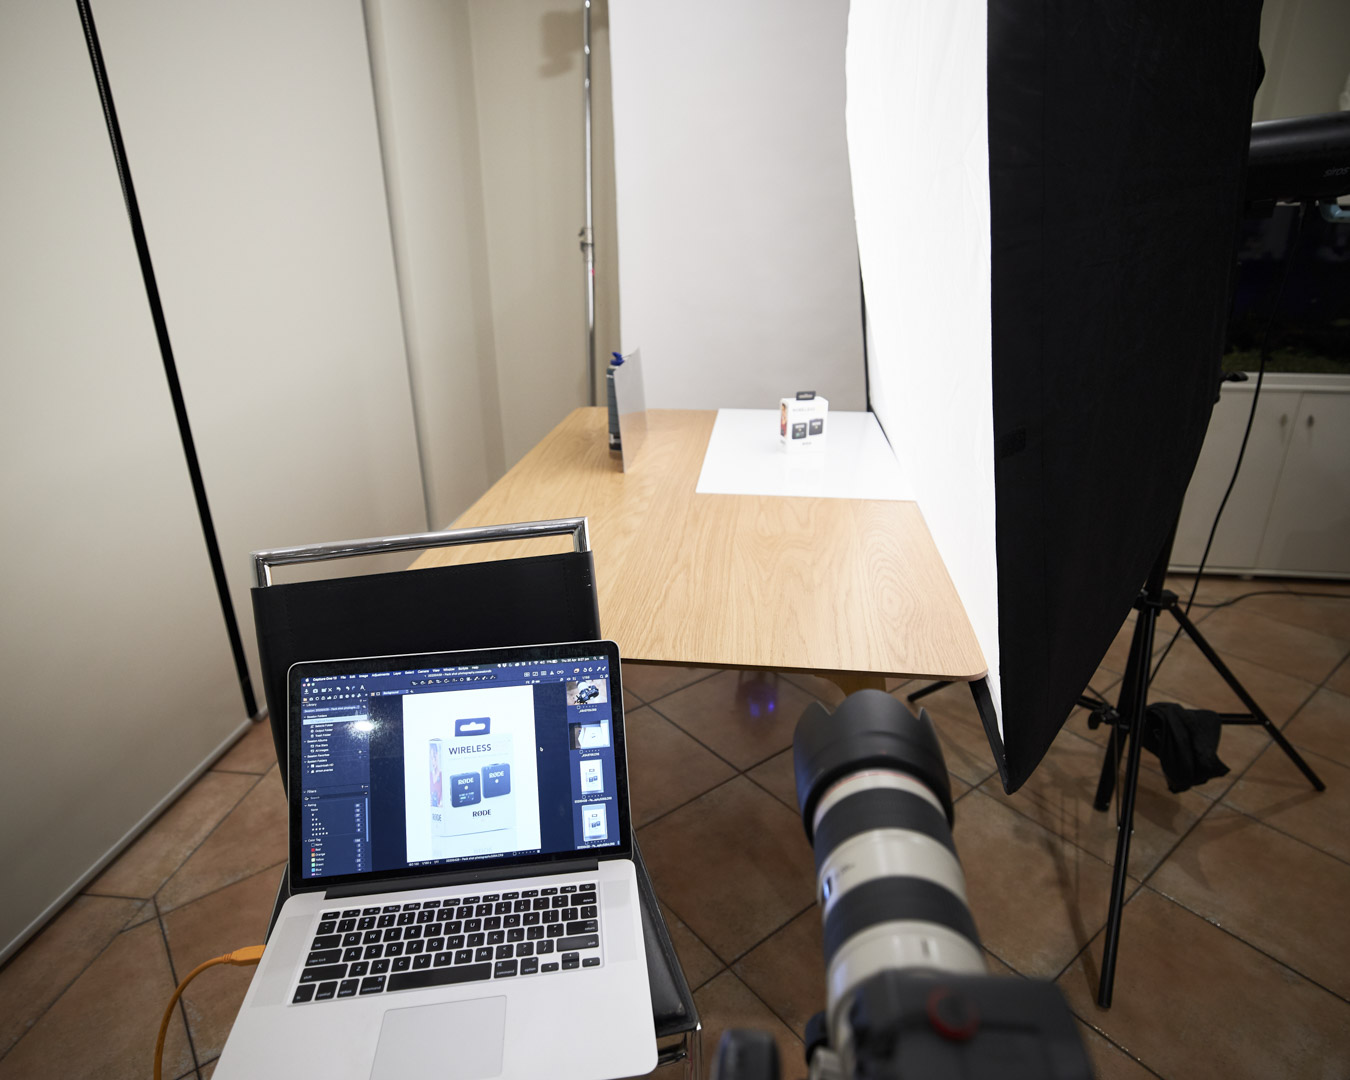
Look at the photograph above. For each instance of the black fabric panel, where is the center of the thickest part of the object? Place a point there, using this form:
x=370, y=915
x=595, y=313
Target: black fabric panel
x=529, y=601
x=1118, y=132
x=879, y=808
x=896, y=898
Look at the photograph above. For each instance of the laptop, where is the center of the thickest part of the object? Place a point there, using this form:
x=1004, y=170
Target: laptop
x=464, y=901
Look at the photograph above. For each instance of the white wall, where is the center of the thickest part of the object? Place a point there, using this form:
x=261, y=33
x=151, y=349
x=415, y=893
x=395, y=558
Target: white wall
x=422, y=57
x=117, y=674
x=527, y=80
x=737, y=259
x=257, y=162
x=481, y=120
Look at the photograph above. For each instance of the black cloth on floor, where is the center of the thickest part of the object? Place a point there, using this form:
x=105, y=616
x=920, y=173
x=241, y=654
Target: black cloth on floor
x=1186, y=742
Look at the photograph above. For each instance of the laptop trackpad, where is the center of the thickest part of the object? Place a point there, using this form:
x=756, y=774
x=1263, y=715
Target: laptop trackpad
x=459, y=1040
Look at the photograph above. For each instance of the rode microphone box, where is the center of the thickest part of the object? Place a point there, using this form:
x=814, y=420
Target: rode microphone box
x=801, y=421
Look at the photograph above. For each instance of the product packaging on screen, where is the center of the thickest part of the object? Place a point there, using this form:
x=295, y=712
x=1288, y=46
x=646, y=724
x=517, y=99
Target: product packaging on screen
x=471, y=781
x=801, y=421
x=594, y=822
x=592, y=777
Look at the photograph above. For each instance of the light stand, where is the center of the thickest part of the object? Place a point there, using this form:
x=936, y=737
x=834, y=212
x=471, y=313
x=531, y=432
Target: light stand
x=587, y=234
x=1127, y=731
x=1299, y=159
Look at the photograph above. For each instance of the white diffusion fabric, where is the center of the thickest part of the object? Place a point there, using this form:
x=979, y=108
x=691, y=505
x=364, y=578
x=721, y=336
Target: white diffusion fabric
x=918, y=145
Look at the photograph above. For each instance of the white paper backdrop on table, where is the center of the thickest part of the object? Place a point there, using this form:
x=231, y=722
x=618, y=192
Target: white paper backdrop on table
x=744, y=458
x=919, y=151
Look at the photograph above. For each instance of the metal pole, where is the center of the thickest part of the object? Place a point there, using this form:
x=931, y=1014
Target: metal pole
x=587, y=233
x=151, y=283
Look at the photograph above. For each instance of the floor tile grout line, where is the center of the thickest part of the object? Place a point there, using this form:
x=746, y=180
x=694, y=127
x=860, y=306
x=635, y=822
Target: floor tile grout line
x=197, y=847
x=782, y=926
x=232, y=808
x=173, y=974
x=1107, y=1038
x=744, y=953
x=700, y=742
x=104, y=896
x=693, y=799
x=1278, y=619
x=1275, y=828
x=777, y=798
x=222, y=888
x=711, y=951
x=79, y=974
x=677, y=689
x=771, y=1010
x=1251, y=945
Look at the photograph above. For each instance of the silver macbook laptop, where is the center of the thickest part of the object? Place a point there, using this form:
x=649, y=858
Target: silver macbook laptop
x=464, y=902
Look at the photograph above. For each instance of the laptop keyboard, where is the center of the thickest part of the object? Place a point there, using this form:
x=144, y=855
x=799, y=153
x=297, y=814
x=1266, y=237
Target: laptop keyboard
x=373, y=950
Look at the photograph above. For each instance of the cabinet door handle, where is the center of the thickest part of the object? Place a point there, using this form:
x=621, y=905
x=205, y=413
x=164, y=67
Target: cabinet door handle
x=1310, y=419
x=1284, y=419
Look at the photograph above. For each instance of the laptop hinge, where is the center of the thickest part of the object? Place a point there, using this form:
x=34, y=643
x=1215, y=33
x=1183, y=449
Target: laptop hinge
x=464, y=877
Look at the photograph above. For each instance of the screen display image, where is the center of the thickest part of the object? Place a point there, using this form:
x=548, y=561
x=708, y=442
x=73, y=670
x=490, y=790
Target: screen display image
x=591, y=692
x=595, y=821
x=593, y=736
x=411, y=768
x=592, y=776
x=471, y=739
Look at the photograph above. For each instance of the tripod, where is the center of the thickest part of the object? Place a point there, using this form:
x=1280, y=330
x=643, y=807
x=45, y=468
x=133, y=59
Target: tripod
x=1127, y=729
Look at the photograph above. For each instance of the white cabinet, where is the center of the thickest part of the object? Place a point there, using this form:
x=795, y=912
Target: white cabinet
x=1309, y=526
x=1290, y=508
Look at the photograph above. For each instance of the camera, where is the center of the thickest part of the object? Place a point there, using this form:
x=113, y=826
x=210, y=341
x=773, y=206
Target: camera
x=907, y=993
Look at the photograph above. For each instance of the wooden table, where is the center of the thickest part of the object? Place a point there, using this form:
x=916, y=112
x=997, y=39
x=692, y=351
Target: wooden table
x=850, y=589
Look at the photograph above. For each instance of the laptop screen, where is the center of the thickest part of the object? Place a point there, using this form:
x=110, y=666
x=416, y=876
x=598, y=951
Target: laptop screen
x=402, y=766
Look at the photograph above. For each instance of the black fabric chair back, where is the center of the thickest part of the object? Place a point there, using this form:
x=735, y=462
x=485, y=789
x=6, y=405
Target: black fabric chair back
x=525, y=601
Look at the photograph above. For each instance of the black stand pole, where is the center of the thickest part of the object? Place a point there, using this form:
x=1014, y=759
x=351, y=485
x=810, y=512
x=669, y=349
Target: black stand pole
x=119, y=152
x=1131, y=706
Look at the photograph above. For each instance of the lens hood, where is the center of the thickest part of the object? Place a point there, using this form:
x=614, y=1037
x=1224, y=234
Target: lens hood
x=869, y=729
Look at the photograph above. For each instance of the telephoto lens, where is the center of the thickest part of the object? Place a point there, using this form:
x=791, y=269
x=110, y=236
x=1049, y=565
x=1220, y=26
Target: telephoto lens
x=907, y=992
x=873, y=790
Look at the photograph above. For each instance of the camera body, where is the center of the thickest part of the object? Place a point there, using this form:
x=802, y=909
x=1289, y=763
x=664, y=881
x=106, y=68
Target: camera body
x=907, y=991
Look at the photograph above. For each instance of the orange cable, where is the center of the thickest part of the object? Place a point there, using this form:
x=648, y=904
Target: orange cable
x=240, y=957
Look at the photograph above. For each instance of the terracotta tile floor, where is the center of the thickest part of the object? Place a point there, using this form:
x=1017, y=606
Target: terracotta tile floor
x=1235, y=955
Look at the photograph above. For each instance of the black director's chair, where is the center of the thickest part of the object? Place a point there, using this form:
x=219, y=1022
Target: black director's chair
x=522, y=601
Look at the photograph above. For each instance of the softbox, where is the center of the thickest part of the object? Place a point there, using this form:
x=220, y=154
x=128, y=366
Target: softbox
x=1047, y=199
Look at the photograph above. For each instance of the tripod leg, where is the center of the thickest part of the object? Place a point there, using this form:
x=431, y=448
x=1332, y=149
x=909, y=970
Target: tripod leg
x=1246, y=699
x=1106, y=783
x=1141, y=648
x=927, y=690
x=1106, y=986
x=1133, y=699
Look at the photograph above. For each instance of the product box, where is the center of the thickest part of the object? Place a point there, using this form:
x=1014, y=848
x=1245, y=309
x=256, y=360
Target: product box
x=801, y=421
x=471, y=785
